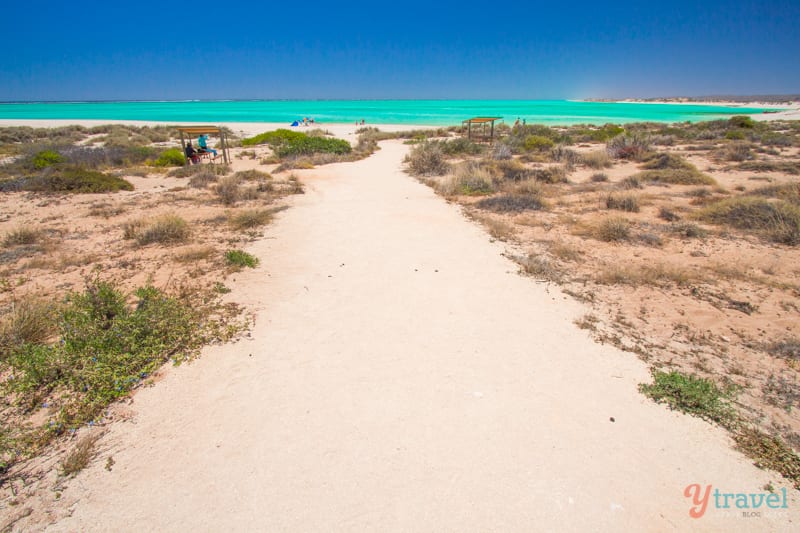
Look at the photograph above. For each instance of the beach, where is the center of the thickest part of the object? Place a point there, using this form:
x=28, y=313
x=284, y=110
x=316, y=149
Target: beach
x=401, y=370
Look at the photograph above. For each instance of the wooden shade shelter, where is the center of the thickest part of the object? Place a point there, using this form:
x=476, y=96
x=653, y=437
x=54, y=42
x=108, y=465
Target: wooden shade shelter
x=482, y=122
x=193, y=131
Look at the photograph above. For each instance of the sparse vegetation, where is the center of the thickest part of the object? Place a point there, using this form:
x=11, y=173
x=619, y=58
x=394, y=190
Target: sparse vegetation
x=165, y=229
x=510, y=203
x=239, y=258
x=691, y=394
x=613, y=229
x=623, y=202
x=170, y=158
x=778, y=220
x=426, y=159
x=251, y=218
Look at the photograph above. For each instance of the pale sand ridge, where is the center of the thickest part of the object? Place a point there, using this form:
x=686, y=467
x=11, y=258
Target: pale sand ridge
x=402, y=377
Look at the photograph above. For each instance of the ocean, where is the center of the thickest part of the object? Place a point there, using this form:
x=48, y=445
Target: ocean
x=375, y=112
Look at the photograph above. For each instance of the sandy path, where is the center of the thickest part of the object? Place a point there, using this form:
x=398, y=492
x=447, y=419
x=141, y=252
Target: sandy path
x=402, y=377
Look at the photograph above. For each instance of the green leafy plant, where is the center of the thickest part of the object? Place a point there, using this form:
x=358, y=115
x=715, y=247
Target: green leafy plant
x=240, y=258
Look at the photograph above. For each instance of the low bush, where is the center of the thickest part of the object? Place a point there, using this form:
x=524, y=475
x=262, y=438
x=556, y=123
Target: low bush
x=250, y=218
x=688, y=230
x=229, y=190
x=22, y=235
x=596, y=160
x=622, y=202
x=240, y=259
x=102, y=348
x=166, y=229
x=614, y=229
x=75, y=180
x=551, y=174
x=426, y=159
x=468, y=179
x=202, y=179
x=46, y=158
x=599, y=177
x=170, y=158
x=511, y=203
x=287, y=143
x=676, y=177
x=778, y=220
x=690, y=394
x=628, y=146
x=538, y=143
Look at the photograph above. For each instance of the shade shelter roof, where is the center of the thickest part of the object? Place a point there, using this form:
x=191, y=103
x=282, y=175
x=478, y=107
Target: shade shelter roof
x=482, y=122
x=198, y=130
x=191, y=131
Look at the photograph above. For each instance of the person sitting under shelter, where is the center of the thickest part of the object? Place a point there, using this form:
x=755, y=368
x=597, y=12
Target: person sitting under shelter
x=191, y=153
x=202, y=142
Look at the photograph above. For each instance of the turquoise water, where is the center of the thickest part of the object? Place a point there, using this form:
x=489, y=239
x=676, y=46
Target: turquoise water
x=431, y=112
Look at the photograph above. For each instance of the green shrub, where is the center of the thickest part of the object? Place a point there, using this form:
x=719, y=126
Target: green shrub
x=76, y=180
x=102, y=350
x=287, y=143
x=735, y=135
x=741, y=121
x=170, y=158
x=537, y=143
x=241, y=259
x=46, y=158
x=690, y=394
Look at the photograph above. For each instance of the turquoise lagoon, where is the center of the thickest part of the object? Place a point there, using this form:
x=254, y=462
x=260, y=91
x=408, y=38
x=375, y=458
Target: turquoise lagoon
x=375, y=112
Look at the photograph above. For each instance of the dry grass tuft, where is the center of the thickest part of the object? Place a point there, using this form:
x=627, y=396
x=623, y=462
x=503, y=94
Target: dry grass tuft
x=778, y=220
x=196, y=253
x=623, y=202
x=250, y=218
x=598, y=159
x=511, y=203
x=613, y=229
x=656, y=275
x=166, y=229
x=80, y=455
x=23, y=235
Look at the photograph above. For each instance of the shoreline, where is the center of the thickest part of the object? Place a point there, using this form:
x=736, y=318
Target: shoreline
x=345, y=130
x=245, y=129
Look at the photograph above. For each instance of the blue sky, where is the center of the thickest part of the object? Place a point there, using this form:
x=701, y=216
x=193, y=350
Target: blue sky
x=403, y=49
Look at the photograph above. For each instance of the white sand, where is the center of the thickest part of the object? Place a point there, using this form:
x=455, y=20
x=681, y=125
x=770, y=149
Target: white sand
x=248, y=129
x=402, y=377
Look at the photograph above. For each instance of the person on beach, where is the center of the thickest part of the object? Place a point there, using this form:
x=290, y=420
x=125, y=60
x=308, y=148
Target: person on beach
x=516, y=123
x=191, y=153
x=202, y=142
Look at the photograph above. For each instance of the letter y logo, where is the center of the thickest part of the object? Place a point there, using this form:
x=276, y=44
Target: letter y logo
x=700, y=500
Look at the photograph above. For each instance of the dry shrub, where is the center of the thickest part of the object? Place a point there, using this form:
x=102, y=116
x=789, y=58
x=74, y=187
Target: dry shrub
x=628, y=146
x=250, y=218
x=613, y=229
x=166, y=229
x=202, y=179
x=656, y=275
x=511, y=203
x=426, y=159
x=539, y=267
x=30, y=321
x=599, y=177
x=229, y=190
x=81, y=454
x=23, y=235
x=195, y=253
x=623, y=202
x=598, y=159
x=551, y=174
x=778, y=220
x=468, y=179
x=565, y=252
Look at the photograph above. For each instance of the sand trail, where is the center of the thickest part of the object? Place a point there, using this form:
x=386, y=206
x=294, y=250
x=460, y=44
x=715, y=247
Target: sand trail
x=402, y=377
